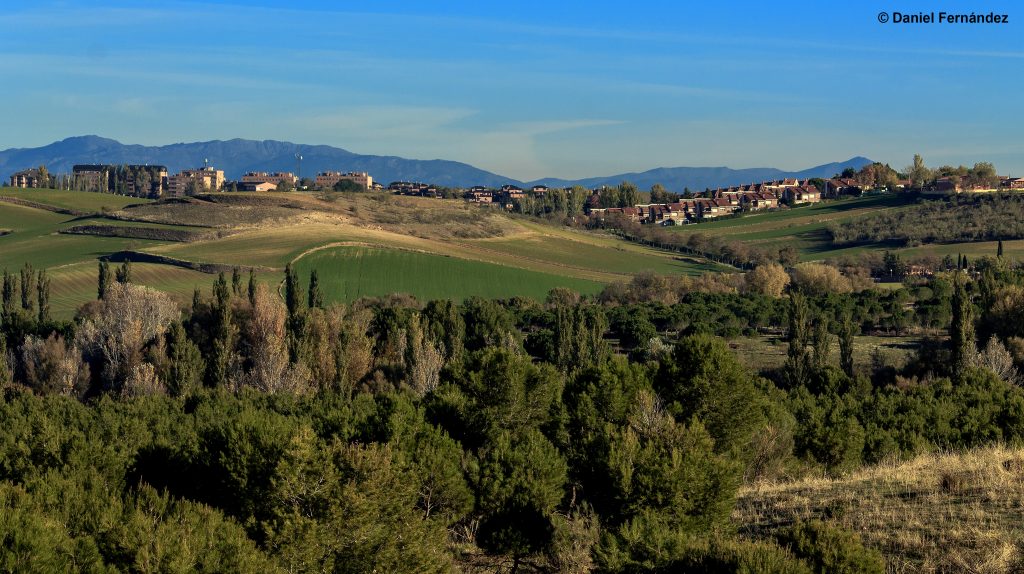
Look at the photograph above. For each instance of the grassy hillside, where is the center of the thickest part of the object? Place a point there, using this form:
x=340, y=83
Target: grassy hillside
x=76, y=200
x=481, y=251
x=803, y=227
x=35, y=238
x=348, y=273
x=806, y=228
x=74, y=284
x=956, y=512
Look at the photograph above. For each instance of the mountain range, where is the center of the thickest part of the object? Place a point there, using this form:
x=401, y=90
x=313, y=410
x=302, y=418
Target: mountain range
x=237, y=156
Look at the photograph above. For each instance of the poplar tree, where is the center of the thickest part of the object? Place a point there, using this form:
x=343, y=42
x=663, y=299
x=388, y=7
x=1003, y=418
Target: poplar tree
x=10, y=293
x=821, y=342
x=961, y=330
x=222, y=334
x=847, y=330
x=28, y=287
x=293, y=301
x=316, y=298
x=236, y=282
x=252, y=287
x=43, y=292
x=5, y=371
x=798, y=365
x=124, y=272
x=103, y=280
x=186, y=366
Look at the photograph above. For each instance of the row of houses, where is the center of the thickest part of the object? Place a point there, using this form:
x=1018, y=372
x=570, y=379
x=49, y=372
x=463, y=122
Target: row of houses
x=503, y=195
x=154, y=180
x=716, y=203
x=414, y=188
x=961, y=184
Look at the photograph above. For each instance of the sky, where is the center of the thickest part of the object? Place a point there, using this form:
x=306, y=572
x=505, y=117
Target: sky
x=526, y=89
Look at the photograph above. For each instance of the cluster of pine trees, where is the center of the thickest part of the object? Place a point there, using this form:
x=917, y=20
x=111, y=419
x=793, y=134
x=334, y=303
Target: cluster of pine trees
x=264, y=431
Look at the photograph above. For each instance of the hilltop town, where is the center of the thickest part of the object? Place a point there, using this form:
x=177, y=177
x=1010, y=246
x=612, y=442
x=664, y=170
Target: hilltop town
x=601, y=203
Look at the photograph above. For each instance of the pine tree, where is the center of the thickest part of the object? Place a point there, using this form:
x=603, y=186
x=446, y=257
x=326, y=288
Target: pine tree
x=103, y=280
x=316, y=298
x=124, y=273
x=43, y=289
x=961, y=330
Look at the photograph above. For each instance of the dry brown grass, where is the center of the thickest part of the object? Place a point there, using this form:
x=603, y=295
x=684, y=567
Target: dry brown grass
x=957, y=512
x=411, y=216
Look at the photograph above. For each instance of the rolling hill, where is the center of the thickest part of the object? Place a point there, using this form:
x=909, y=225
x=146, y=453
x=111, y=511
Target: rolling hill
x=362, y=245
x=238, y=156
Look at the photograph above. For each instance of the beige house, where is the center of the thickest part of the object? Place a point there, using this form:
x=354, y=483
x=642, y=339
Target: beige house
x=204, y=177
x=26, y=179
x=329, y=179
x=801, y=194
x=274, y=178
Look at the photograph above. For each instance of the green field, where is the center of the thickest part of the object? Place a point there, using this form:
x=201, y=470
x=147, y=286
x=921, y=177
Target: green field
x=348, y=273
x=75, y=284
x=491, y=255
x=263, y=247
x=34, y=238
x=804, y=228
x=615, y=259
x=77, y=200
x=764, y=352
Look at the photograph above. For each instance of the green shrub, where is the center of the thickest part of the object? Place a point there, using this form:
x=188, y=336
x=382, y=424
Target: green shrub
x=830, y=549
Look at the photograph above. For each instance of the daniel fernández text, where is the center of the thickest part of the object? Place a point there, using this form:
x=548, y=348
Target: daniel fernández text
x=943, y=18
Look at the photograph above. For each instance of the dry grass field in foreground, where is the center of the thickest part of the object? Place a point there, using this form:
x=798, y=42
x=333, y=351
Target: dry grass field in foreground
x=959, y=512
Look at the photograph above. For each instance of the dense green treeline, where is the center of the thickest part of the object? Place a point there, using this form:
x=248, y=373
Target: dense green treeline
x=252, y=434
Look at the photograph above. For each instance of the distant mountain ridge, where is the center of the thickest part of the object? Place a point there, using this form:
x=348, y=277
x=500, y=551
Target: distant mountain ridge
x=238, y=156
x=701, y=178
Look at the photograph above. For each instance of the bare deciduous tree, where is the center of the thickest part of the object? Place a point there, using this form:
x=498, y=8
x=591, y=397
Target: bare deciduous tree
x=270, y=370
x=424, y=359
x=51, y=367
x=996, y=358
x=126, y=320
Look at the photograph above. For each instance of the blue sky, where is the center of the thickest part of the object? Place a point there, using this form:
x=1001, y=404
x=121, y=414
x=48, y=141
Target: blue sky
x=525, y=89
